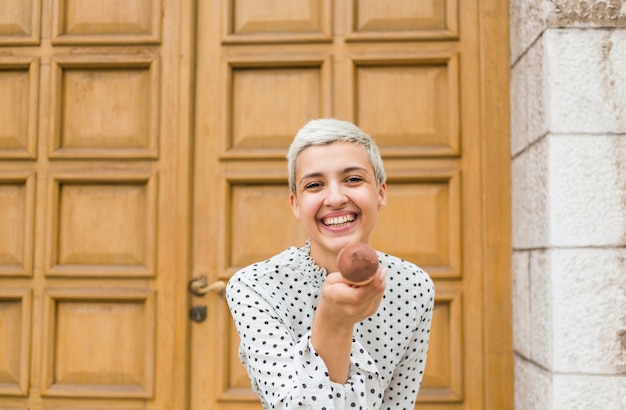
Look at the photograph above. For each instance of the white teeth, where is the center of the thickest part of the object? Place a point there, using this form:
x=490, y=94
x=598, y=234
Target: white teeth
x=339, y=220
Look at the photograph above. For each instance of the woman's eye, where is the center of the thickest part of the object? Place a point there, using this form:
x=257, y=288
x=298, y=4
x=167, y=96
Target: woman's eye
x=312, y=185
x=354, y=179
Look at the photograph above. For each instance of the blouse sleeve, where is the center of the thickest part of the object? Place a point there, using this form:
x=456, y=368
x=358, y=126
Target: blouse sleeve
x=287, y=373
x=407, y=377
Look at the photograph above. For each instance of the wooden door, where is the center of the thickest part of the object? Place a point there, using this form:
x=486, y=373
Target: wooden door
x=94, y=118
x=421, y=78
x=98, y=232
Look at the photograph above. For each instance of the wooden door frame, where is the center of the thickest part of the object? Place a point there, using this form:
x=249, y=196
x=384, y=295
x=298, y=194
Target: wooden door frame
x=496, y=204
x=180, y=375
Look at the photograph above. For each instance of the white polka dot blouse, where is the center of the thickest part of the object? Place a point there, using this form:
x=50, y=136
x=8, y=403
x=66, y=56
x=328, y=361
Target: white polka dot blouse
x=273, y=303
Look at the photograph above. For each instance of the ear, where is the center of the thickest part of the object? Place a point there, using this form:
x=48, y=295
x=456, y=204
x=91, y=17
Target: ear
x=295, y=208
x=382, y=196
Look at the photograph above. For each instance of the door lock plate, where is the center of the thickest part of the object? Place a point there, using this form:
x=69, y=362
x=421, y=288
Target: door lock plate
x=198, y=313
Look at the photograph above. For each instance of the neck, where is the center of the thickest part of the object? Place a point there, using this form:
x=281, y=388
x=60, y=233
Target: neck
x=324, y=260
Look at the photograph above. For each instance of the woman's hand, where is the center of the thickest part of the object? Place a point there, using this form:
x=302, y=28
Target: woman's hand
x=341, y=306
x=345, y=304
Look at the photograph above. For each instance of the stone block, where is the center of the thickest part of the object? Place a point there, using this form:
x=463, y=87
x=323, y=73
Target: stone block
x=589, y=311
x=586, y=80
x=528, y=100
x=527, y=20
x=519, y=107
x=586, y=13
x=582, y=392
x=529, y=192
x=541, y=306
x=520, y=286
x=536, y=91
x=533, y=386
x=586, y=190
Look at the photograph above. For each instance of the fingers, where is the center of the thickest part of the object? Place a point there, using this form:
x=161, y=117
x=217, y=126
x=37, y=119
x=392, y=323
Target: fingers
x=378, y=282
x=382, y=274
x=352, y=303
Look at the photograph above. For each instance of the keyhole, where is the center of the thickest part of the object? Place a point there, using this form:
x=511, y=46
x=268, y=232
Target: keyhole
x=198, y=313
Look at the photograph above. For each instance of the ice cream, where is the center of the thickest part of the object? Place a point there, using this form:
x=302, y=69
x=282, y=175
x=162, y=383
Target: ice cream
x=357, y=263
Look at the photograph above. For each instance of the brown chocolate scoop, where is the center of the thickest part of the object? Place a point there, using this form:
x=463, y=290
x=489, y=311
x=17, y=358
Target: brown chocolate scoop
x=357, y=263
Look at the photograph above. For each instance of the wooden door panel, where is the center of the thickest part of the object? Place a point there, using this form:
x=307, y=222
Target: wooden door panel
x=424, y=89
x=19, y=85
x=102, y=225
x=407, y=73
x=443, y=377
x=19, y=22
x=105, y=107
x=15, y=334
x=18, y=107
x=260, y=108
x=404, y=20
x=93, y=204
x=113, y=22
x=17, y=213
x=98, y=343
x=260, y=208
x=274, y=21
x=424, y=208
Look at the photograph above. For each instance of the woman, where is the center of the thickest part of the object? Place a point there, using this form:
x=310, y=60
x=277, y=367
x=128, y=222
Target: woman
x=309, y=339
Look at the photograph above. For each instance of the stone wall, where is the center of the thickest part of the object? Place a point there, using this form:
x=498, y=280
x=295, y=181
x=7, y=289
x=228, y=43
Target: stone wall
x=568, y=153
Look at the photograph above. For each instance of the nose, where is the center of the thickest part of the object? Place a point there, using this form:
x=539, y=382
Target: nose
x=335, y=195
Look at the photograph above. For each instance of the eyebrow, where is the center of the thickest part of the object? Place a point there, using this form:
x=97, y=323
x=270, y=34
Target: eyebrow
x=320, y=174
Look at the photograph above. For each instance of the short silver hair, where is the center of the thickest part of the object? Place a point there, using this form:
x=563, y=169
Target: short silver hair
x=325, y=131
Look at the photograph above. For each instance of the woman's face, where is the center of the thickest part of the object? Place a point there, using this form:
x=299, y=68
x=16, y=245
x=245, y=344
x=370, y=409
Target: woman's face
x=336, y=198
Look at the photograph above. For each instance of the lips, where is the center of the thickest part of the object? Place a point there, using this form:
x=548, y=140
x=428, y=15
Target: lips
x=337, y=221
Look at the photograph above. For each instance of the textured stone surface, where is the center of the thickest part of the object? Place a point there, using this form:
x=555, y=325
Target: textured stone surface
x=586, y=80
x=528, y=99
x=568, y=148
x=586, y=13
x=584, y=392
x=533, y=386
x=527, y=20
x=536, y=90
x=529, y=175
x=520, y=289
x=541, y=309
x=586, y=190
x=519, y=107
x=589, y=310
x=538, y=389
x=568, y=190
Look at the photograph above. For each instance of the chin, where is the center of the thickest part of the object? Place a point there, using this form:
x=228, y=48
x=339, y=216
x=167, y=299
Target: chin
x=338, y=244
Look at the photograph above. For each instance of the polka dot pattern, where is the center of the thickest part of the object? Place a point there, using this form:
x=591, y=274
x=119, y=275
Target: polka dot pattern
x=273, y=304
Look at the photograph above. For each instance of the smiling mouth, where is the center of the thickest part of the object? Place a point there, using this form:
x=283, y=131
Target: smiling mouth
x=339, y=221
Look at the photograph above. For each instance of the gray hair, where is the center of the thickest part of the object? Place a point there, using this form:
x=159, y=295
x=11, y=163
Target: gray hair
x=326, y=131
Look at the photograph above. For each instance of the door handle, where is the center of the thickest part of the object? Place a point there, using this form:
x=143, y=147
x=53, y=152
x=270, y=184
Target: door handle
x=199, y=286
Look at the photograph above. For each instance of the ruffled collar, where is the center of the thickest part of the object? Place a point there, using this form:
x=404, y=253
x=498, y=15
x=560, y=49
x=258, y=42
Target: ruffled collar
x=308, y=265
